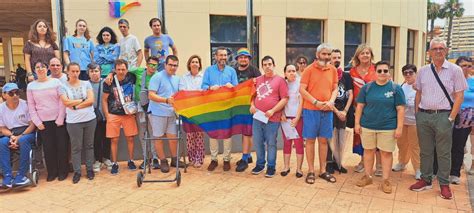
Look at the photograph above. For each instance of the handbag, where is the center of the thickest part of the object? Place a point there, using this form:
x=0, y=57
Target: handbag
x=130, y=107
x=451, y=103
x=466, y=118
x=97, y=112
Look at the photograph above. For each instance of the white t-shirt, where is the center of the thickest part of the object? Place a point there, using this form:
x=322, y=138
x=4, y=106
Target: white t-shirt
x=18, y=117
x=291, y=107
x=410, y=94
x=78, y=93
x=128, y=50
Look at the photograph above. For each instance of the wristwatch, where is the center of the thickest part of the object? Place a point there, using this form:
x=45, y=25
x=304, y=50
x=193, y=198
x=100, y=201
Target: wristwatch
x=315, y=102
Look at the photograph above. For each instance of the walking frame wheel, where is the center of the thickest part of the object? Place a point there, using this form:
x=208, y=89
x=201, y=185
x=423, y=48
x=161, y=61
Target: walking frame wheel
x=140, y=177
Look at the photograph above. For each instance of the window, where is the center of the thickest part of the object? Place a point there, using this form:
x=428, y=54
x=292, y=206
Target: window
x=411, y=47
x=354, y=35
x=302, y=38
x=388, y=45
x=231, y=32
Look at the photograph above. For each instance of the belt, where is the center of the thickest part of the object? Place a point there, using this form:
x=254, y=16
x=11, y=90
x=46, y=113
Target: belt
x=436, y=111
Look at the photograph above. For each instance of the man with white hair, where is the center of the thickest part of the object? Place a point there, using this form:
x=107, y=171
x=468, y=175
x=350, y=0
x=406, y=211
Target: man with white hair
x=319, y=87
x=440, y=91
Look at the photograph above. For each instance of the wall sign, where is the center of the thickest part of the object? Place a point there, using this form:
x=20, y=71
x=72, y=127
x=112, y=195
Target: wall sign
x=118, y=7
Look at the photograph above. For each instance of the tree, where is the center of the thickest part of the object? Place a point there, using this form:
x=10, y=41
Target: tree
x=451, y=9
x=433, y=13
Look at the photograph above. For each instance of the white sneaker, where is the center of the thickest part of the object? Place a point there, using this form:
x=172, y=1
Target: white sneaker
x=108, y=164
x=454, y=180
x=378, y=171
x=399, y=167
x=96, y=166
x=418, y=174
x=359, y=168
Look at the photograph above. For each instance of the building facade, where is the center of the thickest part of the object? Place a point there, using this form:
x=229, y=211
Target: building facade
x=462, y=37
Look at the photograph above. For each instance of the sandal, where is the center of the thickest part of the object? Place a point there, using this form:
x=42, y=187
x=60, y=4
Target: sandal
x=285, y=173
x=299, y=174
x=328, y=177
x=310, y=178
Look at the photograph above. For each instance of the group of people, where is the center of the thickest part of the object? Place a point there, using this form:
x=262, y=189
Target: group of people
x=105, y=90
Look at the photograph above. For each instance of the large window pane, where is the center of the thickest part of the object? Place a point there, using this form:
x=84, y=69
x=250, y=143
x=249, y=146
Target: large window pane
x=354, y=35
x=388, y=45
x=411, y=47
x=302, y=38
x=231, y=32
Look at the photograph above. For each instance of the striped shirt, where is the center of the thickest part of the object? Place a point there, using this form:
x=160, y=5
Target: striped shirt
x=432, y=96
x=44, y=103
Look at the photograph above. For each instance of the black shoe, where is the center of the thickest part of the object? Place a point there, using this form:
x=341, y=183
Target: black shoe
x=241, y=166
x=330, y=168
x=62, y=177
x=212, y=165
x=249, y=160
x=341, y=170
x=156, y=164
x=142, y=165
x=180, y=163
x=90, y=175
x=165, y=167
x=299, y=174
x=270, y=172
x=76, y=178
x=285, y=173
x=51, y=178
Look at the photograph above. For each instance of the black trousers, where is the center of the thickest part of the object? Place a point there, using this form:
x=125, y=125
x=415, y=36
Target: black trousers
x=101, y=143
x=457, y=151
x=55, y=148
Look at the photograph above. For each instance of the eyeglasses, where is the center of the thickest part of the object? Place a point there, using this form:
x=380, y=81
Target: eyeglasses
x=466, y=66
x=301, y=62
x=41, y=67
x=406, y=73
x=172, y=65
x=13, y=93
x=380, y=71
x=152, y=65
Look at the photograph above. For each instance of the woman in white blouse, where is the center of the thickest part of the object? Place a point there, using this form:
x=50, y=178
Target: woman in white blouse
x=191, y=81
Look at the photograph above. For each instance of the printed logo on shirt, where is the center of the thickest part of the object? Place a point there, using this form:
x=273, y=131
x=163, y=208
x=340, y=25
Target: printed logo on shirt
x=264, y=90
x=389, y=94
x=160, y=52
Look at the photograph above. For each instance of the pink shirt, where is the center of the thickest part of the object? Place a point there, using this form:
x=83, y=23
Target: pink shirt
x=269, y=91
x=432, y=96
x=44, y=103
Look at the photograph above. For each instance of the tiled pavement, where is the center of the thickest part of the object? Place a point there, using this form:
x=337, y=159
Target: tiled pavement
x=201, y=191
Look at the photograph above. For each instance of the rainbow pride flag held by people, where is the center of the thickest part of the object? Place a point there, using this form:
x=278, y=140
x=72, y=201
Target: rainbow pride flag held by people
x=220, y=113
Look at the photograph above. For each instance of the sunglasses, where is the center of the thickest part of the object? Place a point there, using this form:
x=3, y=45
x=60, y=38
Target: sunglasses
x=380, y=71
x=302, y=62
x=408, y=73
x=13, y=93
x=152, y=65
x=466, y=66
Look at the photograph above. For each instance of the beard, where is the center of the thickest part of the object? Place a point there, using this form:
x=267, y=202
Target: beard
x=323, y=62
x=337, y=64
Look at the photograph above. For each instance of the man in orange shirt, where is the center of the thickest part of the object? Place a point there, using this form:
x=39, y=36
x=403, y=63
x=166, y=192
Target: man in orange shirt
x=319, y=91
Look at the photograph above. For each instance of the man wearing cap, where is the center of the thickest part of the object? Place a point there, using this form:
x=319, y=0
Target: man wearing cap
x=244, y=72
x=18, y=131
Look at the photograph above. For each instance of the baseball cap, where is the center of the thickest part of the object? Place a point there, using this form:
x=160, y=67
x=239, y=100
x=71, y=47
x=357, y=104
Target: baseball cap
x=9, y=87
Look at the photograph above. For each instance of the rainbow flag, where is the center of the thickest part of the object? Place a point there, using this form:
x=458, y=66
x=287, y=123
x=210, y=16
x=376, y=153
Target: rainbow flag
x=118, y=7
x=220, y=113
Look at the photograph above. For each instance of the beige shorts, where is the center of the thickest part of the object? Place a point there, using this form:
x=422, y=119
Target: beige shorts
x=381, y=139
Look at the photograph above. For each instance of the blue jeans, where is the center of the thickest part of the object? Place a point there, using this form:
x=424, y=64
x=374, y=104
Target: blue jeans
x=265, y=134
x=25, y=148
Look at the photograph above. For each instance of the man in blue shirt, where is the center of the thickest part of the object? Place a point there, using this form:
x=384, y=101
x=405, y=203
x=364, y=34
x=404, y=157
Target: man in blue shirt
x=159, y=43
x=216, y=76
x=163, y=86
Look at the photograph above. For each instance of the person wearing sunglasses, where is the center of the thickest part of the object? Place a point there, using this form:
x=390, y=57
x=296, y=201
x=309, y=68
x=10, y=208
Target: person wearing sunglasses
x=301, y=64
x=439, y=93
x=47, y=112
x=18, y=134
x=408, y=147
x=379, y=121
x=462, y=130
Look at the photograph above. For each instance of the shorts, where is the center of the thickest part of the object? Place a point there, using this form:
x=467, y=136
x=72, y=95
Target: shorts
x=381, y=139
x=115, y=122
x=317, y=123
x=163, y=125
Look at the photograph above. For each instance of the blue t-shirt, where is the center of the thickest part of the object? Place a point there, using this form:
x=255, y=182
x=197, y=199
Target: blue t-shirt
x=165, y=86
x=380, y=111
x=159, y=47
x=469, y=94
x=80, y=50
x=213, y=76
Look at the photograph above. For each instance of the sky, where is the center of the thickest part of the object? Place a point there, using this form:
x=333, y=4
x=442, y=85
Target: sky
x=468, y=10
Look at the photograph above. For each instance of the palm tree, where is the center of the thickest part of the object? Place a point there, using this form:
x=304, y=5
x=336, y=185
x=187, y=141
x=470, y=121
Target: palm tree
x=433, y=13
x=451, y=9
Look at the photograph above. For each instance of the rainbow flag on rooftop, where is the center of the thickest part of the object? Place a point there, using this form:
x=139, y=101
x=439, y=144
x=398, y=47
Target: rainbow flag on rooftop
x=220, y=113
